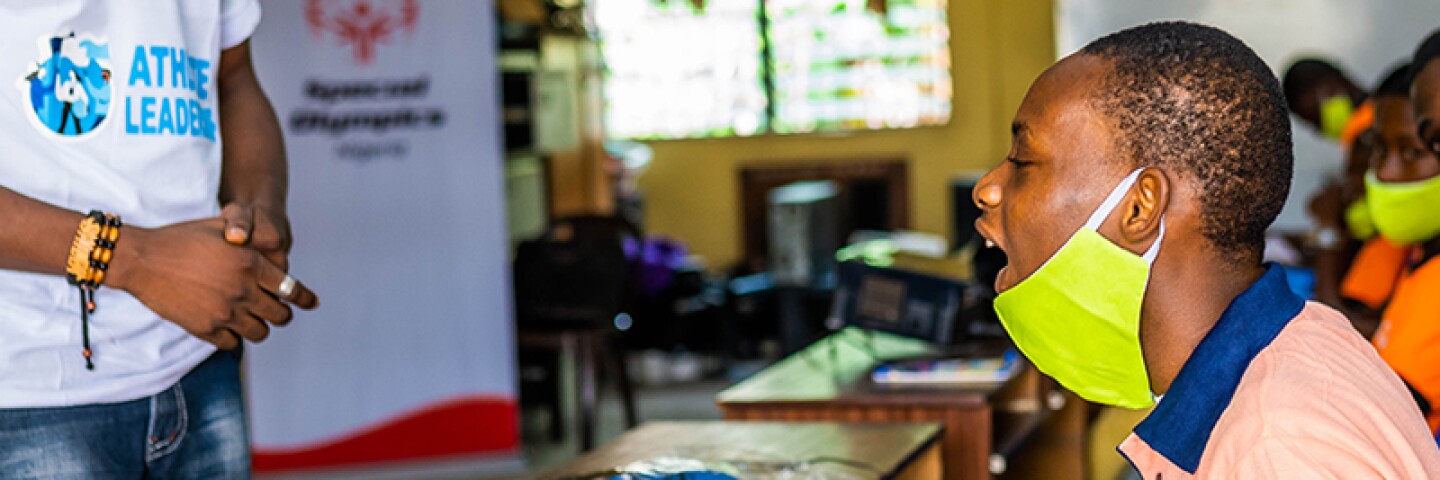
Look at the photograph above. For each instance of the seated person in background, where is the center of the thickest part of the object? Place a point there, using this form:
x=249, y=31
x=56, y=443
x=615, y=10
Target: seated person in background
x=1323, y=97
x=1172, y=139
x=1403, y=186
x=1326, y=99
x=1374, y=269
x=1344, y=232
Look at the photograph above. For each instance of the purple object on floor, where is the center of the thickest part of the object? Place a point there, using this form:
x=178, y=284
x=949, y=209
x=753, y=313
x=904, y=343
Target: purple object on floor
x=657, y=259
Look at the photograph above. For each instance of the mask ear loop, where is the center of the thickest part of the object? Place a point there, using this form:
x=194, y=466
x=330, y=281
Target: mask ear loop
x=1116, y=195
x=1112, y=200
x=1154, y=250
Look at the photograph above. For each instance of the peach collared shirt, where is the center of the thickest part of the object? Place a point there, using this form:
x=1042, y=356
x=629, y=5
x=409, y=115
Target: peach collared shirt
x=1273, y=392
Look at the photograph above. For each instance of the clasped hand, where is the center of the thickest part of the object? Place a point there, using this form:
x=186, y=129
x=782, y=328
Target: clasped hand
x=218, y=278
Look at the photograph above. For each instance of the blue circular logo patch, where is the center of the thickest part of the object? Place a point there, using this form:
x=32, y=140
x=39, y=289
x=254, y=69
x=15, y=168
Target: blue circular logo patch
x=69, y=85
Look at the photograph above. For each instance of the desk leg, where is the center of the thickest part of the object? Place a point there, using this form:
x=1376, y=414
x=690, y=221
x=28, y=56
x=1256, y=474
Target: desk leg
x=794, y=331
x=967, y=443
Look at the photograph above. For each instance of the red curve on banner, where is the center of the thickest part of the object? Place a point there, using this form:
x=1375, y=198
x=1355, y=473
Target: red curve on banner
x=465, y=426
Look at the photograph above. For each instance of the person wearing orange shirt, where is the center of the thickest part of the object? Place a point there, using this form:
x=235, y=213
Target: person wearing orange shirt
x=1403, y=185
x=1375, y=268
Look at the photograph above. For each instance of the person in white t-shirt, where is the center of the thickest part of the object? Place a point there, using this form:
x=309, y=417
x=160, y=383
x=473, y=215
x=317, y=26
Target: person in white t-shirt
x=120, y=327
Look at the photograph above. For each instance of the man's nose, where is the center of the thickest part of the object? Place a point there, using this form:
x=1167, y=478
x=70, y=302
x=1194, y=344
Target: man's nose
x=987, y=195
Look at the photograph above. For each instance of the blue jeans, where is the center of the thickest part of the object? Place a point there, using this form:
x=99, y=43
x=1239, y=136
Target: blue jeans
x=195, y=429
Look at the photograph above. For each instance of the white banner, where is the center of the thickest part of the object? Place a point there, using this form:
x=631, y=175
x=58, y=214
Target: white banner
x=391, y=119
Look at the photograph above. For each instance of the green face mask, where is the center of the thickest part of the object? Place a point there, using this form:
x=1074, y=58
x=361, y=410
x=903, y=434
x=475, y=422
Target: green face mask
x=1334, y=114
x=1404, y=213
x=1078, y=316
x=1357, y=219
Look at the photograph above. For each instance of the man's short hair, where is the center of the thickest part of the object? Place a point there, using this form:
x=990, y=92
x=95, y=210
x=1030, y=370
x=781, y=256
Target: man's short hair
x=1307, y=74
x=1428, y=51
x=1200, y=104
x=1395, y=83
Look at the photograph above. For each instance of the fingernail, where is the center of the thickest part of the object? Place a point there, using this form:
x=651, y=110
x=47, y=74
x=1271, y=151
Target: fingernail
x=235, y=234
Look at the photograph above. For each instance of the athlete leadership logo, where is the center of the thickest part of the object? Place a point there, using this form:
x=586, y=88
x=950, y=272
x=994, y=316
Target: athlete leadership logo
x=362, y=25
x=69, y=85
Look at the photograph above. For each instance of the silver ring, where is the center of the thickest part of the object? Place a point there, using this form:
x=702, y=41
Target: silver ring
x=287, y=287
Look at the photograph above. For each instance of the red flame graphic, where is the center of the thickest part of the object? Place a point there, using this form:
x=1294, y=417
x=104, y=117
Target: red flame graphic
x=362, y=24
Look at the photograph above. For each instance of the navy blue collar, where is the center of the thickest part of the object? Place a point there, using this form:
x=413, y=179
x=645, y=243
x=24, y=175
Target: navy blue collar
x=1181, y=424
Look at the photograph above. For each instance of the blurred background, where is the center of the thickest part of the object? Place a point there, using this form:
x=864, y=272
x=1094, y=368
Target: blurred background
x=540, y=224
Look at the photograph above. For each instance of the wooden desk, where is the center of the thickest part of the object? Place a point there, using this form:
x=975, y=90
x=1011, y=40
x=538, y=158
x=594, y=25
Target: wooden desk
x=899, y=451
x=829, y=381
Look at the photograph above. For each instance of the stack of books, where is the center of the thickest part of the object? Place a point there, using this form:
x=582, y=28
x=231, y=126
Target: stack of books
x=948, y=371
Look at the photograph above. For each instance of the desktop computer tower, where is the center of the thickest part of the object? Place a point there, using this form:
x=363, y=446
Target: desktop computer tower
x=804, y=233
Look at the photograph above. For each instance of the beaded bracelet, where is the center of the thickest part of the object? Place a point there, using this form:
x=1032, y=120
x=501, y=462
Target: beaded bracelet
x=90, y=255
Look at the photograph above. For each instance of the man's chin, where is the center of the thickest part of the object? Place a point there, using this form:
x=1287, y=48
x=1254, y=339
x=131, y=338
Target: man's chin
x=1002, y=280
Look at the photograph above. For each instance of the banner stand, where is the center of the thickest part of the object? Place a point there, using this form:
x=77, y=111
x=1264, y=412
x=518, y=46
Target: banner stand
x=392, y=127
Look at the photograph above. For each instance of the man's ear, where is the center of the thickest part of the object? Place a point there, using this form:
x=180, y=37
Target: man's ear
x=1144, y=206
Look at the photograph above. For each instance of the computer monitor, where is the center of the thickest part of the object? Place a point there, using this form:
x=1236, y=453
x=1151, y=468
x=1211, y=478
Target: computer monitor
x=899, y=302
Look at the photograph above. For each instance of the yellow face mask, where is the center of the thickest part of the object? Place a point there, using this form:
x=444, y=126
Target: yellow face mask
x=1405, y=213
x=1078, y=316
x=1334, y=114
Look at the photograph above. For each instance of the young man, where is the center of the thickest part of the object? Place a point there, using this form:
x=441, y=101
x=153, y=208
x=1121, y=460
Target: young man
x=1326, y=99
x=121, y=109
x=1375, y=267
x=1403, y=186
x=1172, y=139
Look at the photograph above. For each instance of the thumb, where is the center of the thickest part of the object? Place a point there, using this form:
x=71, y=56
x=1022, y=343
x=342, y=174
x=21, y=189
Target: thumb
x=239, y=220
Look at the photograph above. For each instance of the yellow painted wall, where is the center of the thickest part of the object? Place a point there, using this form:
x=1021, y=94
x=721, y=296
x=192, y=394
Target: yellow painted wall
x=998, y=47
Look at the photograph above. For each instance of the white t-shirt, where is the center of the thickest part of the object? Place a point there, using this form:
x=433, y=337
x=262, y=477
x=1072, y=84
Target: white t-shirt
x=107, y=105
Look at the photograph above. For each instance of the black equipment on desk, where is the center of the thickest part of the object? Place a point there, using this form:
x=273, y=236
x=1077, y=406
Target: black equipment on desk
x=900, y=302
x=963, y=212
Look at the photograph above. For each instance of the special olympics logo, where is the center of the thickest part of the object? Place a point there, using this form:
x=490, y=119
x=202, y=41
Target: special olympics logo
x=362, y=25
x=69, y=85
